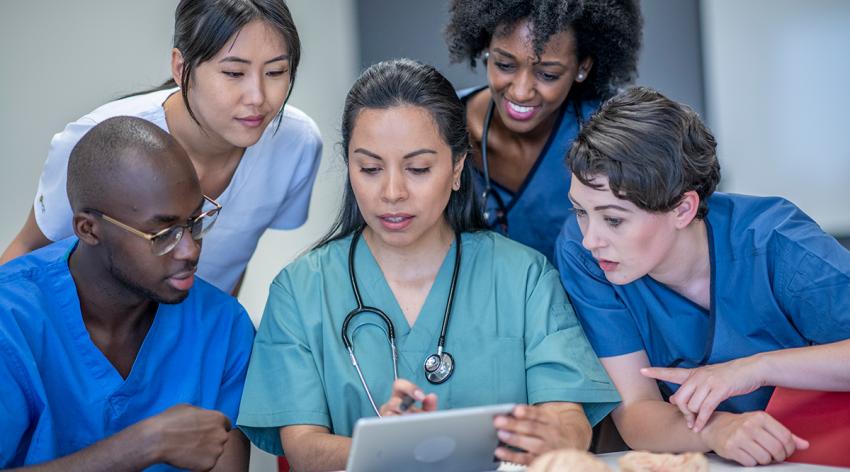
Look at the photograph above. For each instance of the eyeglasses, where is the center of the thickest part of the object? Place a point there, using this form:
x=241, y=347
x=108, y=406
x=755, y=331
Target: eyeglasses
x=162, y=242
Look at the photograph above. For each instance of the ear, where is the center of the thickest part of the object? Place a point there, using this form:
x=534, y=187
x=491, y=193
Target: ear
x=458, y=169
x=87, y=228
x=584, y=69
x=177, y=66
x=686, y=210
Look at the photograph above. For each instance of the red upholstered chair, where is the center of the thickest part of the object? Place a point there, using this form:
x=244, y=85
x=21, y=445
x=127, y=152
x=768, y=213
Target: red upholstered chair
x=822, y=418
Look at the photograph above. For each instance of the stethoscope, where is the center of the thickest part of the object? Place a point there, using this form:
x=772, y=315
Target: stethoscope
x=438, y=366
x=499, y=215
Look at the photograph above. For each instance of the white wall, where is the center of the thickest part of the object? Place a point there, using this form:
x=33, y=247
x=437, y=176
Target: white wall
x=64, y=58
x=778, y=98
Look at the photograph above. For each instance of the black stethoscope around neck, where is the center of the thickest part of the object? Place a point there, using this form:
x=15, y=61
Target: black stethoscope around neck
x=438, y=366
x=496, y=218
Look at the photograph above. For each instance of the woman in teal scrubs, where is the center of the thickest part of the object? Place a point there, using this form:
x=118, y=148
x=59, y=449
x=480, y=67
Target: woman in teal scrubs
x=720, y=297
x=409, y=209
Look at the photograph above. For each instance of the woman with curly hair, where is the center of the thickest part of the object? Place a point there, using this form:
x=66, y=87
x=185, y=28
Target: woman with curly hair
x=549, y=65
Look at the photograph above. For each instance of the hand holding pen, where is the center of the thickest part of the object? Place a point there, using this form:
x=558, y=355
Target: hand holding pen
x=407, y=397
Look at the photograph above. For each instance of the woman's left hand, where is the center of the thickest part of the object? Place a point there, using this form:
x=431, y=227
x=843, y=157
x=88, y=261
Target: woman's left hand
x=538, y=429
x=702, y=389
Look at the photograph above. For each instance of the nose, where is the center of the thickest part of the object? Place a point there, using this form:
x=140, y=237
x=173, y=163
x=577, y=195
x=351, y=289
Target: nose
x=187, y=249
x=591, y=238
x=522, y=87
x=254, y=92
x=394, y=186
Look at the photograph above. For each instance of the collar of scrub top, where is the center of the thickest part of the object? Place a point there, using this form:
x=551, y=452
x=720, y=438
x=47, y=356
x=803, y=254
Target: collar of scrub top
x=500, y=213
x=439, y=366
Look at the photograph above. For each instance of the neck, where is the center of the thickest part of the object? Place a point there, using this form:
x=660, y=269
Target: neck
x=687, y=267
x=104, y=301
x=413, y=261
x=205, y=149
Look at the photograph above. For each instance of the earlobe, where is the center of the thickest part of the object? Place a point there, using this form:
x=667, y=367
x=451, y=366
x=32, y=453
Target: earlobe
x=584, y=69
x=177, y=66
x=86, y=229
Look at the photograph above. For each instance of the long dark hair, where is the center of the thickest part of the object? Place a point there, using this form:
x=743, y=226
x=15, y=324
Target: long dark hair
x=405, y=82
x=202, y=28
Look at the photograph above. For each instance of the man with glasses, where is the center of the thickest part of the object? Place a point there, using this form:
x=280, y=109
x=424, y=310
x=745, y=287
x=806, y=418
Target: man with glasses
x=112, y=355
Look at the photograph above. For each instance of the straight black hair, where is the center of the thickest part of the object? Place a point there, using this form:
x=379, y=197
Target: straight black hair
x=403, y=82
x=203, y=27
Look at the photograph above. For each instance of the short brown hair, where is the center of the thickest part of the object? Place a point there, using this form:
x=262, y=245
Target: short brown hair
x=651, y=149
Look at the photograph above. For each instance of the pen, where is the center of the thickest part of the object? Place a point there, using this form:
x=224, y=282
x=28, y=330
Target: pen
x=406, y=402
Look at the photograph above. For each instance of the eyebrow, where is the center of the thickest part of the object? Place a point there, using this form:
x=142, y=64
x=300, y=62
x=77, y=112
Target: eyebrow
x=167, y=219
x=600, y=207
x=542, y=63
x=282, y=57
x=406, y=156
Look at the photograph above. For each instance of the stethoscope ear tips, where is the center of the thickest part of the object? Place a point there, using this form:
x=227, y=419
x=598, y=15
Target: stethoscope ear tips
x=438, y=368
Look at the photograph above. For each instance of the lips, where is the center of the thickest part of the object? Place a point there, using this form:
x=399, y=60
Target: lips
x=607, y=265
x=182, y=281
x=519, y=112
x=252, y=121
x=395, y=221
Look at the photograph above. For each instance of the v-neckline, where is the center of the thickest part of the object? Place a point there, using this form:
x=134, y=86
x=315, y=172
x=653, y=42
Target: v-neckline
x=426, y=328
x=95, y=360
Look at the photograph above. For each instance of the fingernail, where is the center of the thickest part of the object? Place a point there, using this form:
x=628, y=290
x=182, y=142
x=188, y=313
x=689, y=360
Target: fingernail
x=500, y=421
x=419, y=394
x=503, y=435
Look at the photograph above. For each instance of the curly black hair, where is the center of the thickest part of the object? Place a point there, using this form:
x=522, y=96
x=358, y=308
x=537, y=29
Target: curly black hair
x=609, y=31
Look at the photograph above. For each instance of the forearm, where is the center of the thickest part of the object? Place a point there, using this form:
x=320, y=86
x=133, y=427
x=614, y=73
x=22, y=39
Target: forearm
x=573, y=422
x=236, y=453
x=315, y=450
x=657, y=426
x=823, y=367
x=125, y=451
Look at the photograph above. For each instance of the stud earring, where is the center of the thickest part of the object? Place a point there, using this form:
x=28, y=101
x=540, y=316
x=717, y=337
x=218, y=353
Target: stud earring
x=580, y=76
x=484, y=56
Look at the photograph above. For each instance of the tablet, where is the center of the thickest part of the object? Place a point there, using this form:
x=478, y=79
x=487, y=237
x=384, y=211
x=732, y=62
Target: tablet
x=461, y=439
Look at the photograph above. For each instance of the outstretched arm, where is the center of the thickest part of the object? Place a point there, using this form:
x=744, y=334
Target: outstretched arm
x=647, y=422
x=702, y=389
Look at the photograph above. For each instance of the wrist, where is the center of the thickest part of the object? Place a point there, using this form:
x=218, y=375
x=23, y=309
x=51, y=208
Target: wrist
x=709, y=433
x=757, y=367
x=146, y=437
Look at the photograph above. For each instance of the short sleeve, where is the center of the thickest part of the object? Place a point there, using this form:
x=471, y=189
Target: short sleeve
x=14, y=409
x=609, y=325
x=51, y=206
x=560, y=363
x=239, y=352
x=282, y=381
x=294, y=209
x=813, y=283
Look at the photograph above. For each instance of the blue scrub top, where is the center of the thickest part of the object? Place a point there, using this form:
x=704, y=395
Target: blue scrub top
x=536, y=212
x=60, y=393
x=512, y=333
x=777, y=281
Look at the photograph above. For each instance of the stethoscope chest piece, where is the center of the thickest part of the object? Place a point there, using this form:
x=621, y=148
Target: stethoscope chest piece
x=439, y=367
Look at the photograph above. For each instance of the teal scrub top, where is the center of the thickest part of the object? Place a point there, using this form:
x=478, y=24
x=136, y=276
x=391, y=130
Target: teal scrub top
x=513, y=334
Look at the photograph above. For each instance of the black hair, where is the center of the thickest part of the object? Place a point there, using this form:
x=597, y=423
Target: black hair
x=203, y=27
x=113, y=146
x=402, y=82
x=608, y=31
x=651, y=149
